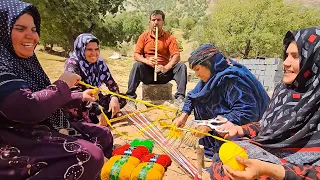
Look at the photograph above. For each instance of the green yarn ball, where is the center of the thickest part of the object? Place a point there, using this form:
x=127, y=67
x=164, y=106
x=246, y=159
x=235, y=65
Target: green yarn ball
x=146, y=143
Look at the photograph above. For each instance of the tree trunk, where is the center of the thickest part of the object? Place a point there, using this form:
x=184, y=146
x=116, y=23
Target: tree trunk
x=71, y=39
x=92, y=27
x=247, y=49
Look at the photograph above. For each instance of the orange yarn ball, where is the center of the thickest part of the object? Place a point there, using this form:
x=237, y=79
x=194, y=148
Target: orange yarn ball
x=120, y=170
x=148, y=171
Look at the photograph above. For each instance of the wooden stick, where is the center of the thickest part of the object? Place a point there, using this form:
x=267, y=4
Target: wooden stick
x=131, y=114
x=156, y=55
x=200, y=159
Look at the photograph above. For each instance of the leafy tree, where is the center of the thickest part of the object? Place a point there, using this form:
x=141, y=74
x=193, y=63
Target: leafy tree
x=124, y=27
x=249, y=28
x=146, y=6
x=64, y=20
x=180, y=45
x=187, y=24
x=172, y=21
x=190, y=8
x=133, y=25
x=109, y=31
x=178, y=8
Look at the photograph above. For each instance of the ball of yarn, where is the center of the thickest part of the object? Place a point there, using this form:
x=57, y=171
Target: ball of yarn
x=146, y=143
x=126, y=149
x=148, y=171
x=227, y=153
x=197, y=177
x=120, y=149
x=161, y=159
x=119, y=168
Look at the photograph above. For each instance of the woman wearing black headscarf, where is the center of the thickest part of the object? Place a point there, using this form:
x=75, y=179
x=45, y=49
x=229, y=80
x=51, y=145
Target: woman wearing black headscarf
x=30, y=114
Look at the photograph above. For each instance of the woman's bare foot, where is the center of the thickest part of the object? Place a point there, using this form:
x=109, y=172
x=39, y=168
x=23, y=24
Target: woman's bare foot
x=102, y=120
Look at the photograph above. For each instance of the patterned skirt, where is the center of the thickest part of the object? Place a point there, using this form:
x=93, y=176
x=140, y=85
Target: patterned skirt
x=38, y=152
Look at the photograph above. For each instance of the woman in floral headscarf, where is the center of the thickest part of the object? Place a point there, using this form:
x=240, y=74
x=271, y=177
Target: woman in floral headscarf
x=86, y=62
x=285, y=144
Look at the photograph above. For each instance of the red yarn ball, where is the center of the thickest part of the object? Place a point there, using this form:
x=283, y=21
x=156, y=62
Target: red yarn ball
x=138, y=152
x=120, y=150
x=161, y=159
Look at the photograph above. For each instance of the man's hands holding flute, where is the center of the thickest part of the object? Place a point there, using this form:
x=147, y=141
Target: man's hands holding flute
x=160, y=68
x=152, y=62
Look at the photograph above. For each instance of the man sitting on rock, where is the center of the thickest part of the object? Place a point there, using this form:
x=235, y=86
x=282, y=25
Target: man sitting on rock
x=168, y=65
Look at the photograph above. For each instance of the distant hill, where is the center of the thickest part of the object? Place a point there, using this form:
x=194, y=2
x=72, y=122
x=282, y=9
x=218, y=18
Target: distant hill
x=307, y=2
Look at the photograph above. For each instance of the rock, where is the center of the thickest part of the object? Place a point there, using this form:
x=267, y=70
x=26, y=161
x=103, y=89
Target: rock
x=154, y=92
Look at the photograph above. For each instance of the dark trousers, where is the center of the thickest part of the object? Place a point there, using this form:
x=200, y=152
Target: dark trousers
x=141, y=72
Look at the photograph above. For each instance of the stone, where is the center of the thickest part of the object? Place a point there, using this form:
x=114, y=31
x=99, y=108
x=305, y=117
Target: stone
x=269, y=71
x=154, y=92
x=191, y=77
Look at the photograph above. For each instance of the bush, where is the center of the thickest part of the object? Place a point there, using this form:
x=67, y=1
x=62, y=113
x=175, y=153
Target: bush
x=172, y=21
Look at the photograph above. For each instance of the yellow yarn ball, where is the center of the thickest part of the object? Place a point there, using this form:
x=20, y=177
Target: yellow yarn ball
x=156, y=166
x=105, y=171
x=227, y=153
x=155, y=173
x=126, y=168
x=125, y=172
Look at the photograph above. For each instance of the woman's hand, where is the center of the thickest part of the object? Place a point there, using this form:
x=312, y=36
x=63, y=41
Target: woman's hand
x=203, y=129
x=253, y=169
x=232, y=131
x=228, y=130
x=114, y=106
x=89, y=95
x=180, y=121
x=71, y=79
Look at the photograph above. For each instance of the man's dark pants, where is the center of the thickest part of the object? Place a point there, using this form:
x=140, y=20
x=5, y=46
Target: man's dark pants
x=141, y=72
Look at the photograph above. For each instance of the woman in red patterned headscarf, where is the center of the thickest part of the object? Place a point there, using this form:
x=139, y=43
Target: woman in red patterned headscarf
x=285, y=144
